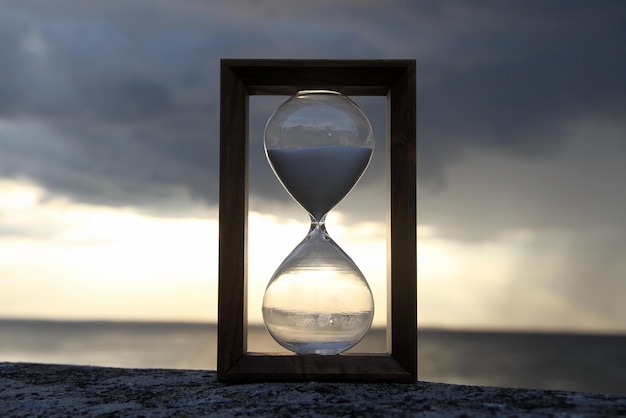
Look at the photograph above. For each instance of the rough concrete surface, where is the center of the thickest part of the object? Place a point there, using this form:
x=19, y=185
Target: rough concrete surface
x=43, y=390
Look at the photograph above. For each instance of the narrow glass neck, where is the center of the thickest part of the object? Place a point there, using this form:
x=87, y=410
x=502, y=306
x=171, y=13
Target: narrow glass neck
x=318, y=224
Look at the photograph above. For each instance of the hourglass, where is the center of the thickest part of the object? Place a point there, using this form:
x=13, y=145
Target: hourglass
x=318, y=301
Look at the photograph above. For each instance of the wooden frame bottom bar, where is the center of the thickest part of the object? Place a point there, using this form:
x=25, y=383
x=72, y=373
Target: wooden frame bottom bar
x=265, y=367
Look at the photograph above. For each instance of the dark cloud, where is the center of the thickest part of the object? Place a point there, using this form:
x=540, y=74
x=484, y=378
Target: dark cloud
x=580, y=189
x=131, y=99
x=513, y=82
x=127, y=93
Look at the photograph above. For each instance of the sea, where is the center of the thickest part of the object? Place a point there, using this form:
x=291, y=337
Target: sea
x=573, y=362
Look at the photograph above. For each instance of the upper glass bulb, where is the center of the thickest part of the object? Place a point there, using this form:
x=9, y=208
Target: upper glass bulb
x=319, y=143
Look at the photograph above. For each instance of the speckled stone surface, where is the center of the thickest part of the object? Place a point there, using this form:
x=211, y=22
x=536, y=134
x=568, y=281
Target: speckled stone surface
x=41, y=390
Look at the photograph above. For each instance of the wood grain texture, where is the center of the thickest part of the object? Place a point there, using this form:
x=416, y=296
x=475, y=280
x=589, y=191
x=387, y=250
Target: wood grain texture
x=395, y=79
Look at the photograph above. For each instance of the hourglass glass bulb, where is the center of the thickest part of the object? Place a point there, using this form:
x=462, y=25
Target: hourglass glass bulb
x=318, y=301
x=319, y=143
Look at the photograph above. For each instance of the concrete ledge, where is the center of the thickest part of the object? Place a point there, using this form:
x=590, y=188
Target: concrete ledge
x=57, y=390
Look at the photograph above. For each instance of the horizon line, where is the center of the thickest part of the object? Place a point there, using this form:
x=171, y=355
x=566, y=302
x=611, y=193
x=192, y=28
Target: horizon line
x=426, y=328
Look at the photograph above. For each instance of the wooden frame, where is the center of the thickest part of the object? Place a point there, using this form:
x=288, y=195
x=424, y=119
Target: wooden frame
x=395, y=79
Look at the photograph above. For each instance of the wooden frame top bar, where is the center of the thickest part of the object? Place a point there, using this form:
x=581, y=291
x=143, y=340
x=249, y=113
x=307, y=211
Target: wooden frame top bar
x=395, y=79
x=287, y=77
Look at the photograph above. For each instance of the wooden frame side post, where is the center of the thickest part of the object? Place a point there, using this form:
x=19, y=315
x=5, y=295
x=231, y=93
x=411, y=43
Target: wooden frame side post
x=402, y=222
x=233, y=222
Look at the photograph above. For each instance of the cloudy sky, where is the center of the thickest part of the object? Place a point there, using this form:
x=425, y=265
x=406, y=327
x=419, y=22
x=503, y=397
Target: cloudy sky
x=109, y=156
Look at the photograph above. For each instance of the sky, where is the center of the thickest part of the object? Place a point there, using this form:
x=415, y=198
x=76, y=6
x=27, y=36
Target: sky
x=109, y=147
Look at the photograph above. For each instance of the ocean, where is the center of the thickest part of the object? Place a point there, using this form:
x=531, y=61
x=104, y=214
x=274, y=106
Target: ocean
x=573, y=362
